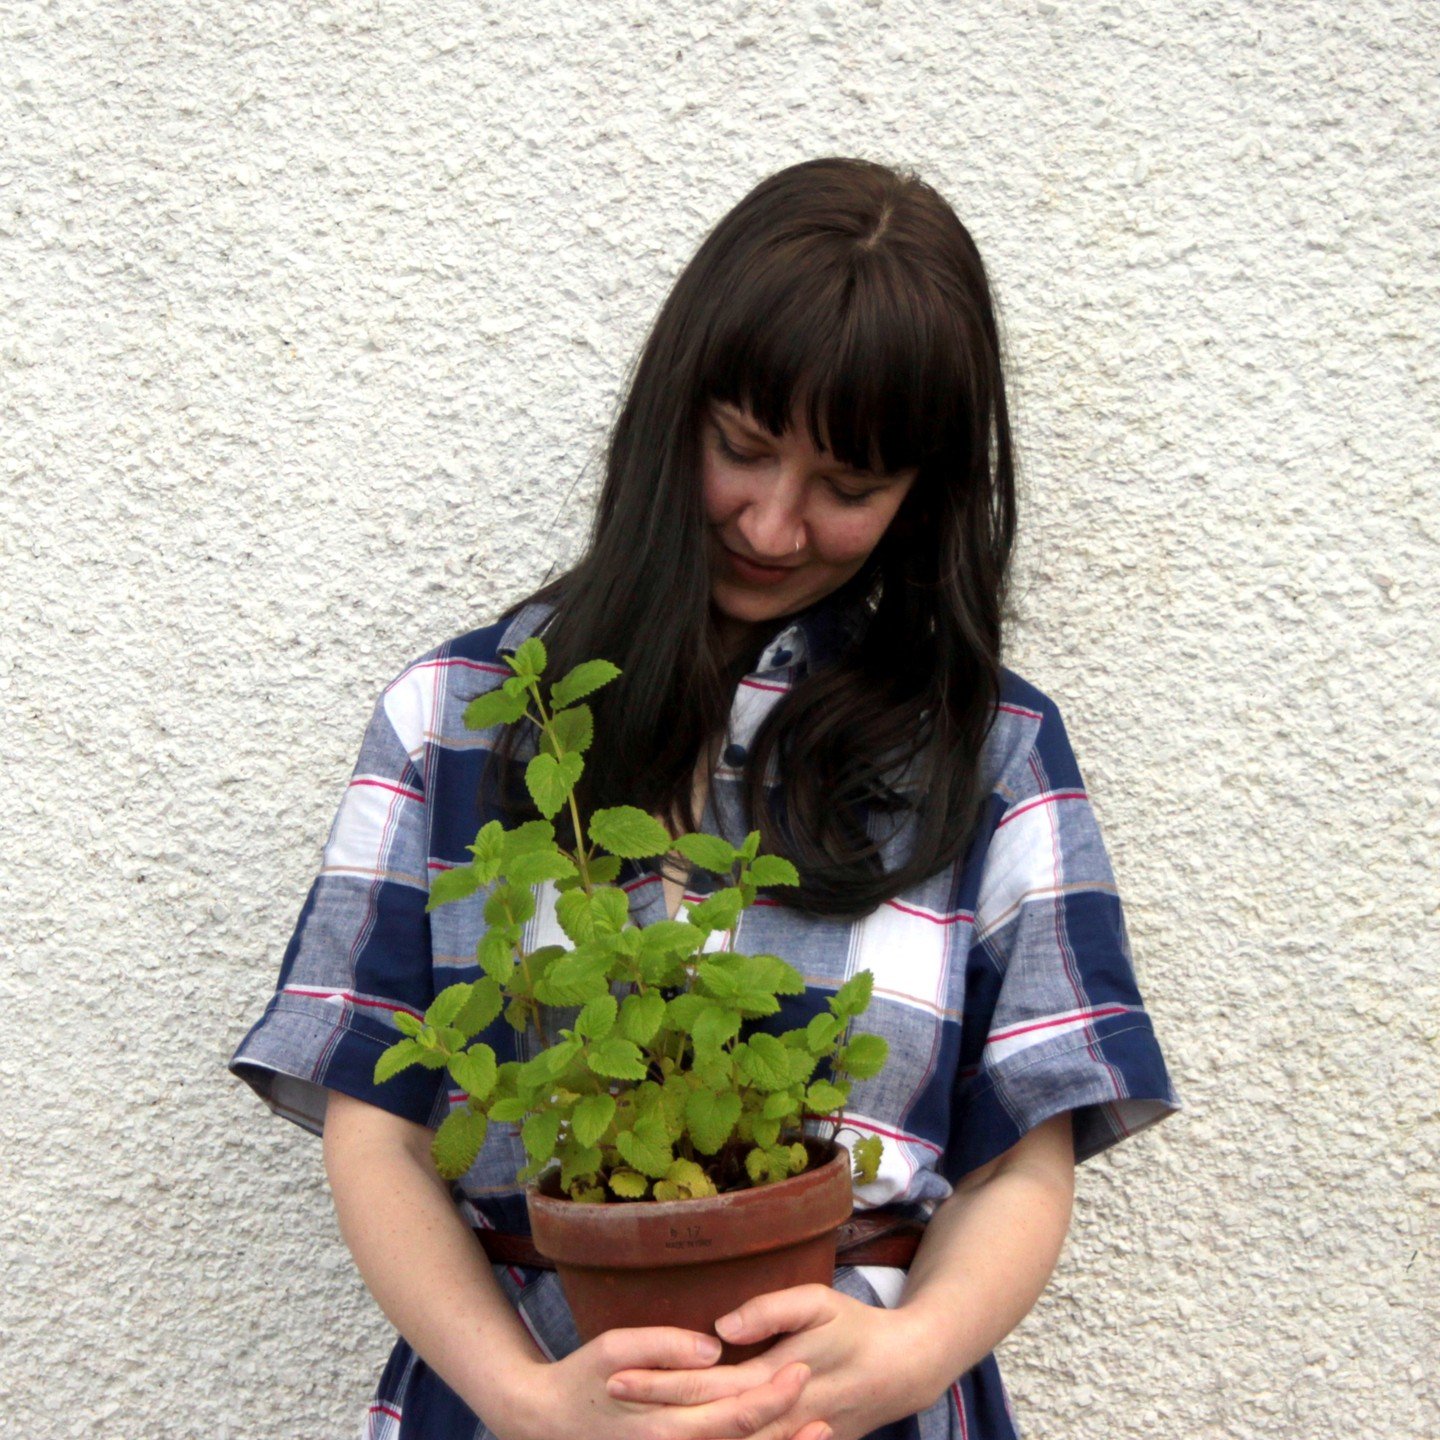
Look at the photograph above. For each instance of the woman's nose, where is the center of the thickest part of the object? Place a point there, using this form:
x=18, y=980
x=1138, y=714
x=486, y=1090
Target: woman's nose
x=774, y=519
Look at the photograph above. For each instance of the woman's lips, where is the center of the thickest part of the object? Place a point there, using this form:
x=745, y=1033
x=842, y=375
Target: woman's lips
x=756, y=574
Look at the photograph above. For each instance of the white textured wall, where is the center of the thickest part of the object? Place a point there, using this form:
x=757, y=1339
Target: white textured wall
x=313, y=316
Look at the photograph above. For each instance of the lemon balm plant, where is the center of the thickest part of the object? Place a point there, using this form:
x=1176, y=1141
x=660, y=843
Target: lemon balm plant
x=651, y=1093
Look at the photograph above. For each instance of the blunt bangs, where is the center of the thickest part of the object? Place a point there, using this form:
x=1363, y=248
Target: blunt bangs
x=875, y=366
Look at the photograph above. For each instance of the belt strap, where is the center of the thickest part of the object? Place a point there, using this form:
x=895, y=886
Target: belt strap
x=873, y=1237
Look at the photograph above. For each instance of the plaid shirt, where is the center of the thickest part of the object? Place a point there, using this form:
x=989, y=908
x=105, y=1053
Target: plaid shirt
x=1003, y=983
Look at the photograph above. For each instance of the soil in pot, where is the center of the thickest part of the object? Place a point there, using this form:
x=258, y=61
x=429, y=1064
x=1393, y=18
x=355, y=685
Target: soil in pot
x=688, y=1262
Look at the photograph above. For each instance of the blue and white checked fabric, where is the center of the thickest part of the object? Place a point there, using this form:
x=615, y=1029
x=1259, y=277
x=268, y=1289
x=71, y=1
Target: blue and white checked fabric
x=1004, y=983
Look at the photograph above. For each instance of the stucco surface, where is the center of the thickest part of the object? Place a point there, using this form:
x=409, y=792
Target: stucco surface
x=313, y=322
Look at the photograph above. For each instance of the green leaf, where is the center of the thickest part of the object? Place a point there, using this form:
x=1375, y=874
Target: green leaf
x=474, y=1071
x=710, y=1118
x=495, y=955
x=640, y=1016
x=853, y=996
x=627, y=831
x=494, y=707
x=539, y=1133
x=863, y=1056
x=457, y=883
x=820, y=1033
x=802, y=1065
x=406, y=1023
x=574, y=979
x=617, y=1059
x=719, y=911
x=714, y=1068
x=447, y=1004
x=573, y=729
x=586, y=677
x=709, y=852
x=597, y=1019
x=751, y=848
x=611, y=911
x=823, y=1097
x=397, y=1057
x=550, y=781
x=481, y=1008
x=684, y=1010
x=773, y=870
x=628, y=1185
x=488, y=850
x=773, y=973
x=531, y=869
x=578, y=1162
x=866, y=1155
x=529, y=659
x=715, y=1025
x=509, y=905
x=646, y=1148
x=553, y=1062
x=767, y=1063
x=766, y=1131
x=524, y=839
x=780, y=1104
x=764, y=1166
x=517, y=1013
x=592, y=1117
x=511, y=1109
x=604, y=869
x=670, y=937
x=684, y=1180
x=457, y=1142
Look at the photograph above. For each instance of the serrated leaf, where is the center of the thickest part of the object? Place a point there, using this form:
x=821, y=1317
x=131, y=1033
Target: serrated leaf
x=474, y=1071
x=670, y=937
x=710, y=1118
x=775, y=974
x=799, y=1158
x=457, y=883
x=717, y=977
x=597, y=1019
x=573, y=729
x=550, y=781
x=611, y=910
x=574, y=979
x=523, y=839
x=509, y=905
x=709, y=852
x=719, y=911
x=823, y=1097
x=397, y=1057
x=556, y=1059
x=587, y=1194
x=494, y=707
x=591, y=1118
x=495, y=955
x=863, y=1056
x=866, y=1155
x=780, y=1104
x=713, y=1068
x=531, y=869
x=765, y=1130
x=604, y=869
x=618, y=1059
x=682, y=1011
x=488, y=850
x=715, y=1025
x=529, y=659
x=640, y=1016
x=539, y=1133
x=517, y=1013
x=406, y=1023
x=578, y=1162
x=457, y=1142
x=646, y=1148
x=773, y=870
x=820, y=1033
x=764, y=1166
x=689, y=1177
x=629, y=1185
x=585, y=678
x=767, y=1063
x=510, y=1109
x=853, y=996
x=482, y=1006
x=627, y=831
x=802, y=1065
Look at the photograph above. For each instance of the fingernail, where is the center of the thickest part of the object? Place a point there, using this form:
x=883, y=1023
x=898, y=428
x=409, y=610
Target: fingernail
x=728, y=1324
x=617, y=1387
x=826, y=1434
x=707, y=1348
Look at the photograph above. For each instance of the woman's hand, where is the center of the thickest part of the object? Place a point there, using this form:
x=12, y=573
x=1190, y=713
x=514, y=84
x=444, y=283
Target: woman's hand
x=855, y=1353
x=569, y=1397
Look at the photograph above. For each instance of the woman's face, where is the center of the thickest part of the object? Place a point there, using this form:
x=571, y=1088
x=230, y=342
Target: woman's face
x=764, y=497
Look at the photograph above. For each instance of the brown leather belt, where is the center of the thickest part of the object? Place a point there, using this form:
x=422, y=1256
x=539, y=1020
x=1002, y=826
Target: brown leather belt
x=873, y=1237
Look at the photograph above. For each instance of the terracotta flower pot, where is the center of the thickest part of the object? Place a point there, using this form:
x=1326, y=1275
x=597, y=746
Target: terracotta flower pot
x=688, y=1262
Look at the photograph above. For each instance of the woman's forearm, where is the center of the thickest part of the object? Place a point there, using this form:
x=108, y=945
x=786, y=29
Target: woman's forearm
x=420, y=1260
x=987, y=1254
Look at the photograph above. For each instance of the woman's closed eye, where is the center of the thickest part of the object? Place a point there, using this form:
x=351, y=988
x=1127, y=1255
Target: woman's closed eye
x=737, y=457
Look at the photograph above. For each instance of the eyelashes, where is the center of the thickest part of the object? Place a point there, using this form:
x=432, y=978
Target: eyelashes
x=736, y=457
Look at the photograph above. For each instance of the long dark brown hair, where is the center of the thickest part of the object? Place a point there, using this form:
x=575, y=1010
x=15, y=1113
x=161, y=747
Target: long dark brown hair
x=851, y=290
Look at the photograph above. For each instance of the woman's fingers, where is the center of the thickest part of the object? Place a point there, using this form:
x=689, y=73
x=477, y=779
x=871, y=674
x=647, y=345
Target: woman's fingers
x=744, y=1414
x=663, y=1347
x=687, y=1387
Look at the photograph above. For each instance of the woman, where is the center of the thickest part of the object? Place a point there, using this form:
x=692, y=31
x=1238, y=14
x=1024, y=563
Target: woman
x=799, y=563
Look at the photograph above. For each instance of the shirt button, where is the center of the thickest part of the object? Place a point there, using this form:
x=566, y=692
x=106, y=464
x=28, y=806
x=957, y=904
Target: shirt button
x=735, y=755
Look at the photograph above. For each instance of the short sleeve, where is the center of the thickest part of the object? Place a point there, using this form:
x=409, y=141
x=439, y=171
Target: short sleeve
x=1053, y=1017
x=359, y=953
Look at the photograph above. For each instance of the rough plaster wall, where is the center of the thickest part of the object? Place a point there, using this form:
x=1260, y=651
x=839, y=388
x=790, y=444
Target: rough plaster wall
x=314, y=319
